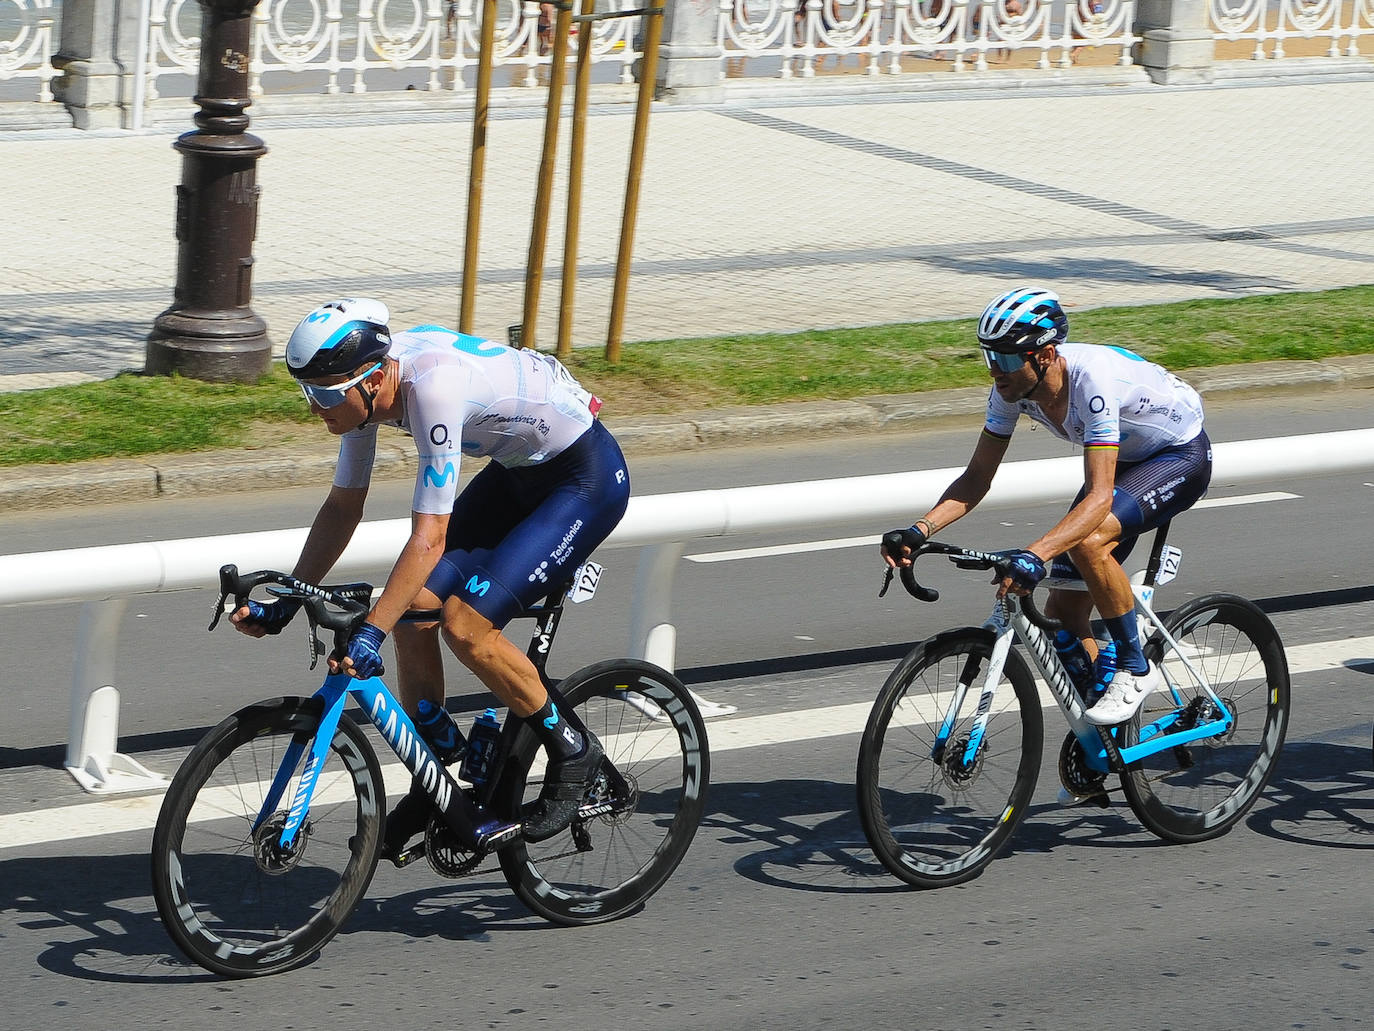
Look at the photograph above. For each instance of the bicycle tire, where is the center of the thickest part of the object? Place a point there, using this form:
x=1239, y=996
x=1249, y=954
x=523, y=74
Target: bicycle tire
x=930, y=820
x=1199, y=791
x=633, y=851
x=226, y=902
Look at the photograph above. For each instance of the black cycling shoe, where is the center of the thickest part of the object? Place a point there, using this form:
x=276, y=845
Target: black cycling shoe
x=565, y=788
x=409, y=818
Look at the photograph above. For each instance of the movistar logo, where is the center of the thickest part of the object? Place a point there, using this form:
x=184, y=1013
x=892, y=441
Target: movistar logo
x=479, y=588
x=436, y=478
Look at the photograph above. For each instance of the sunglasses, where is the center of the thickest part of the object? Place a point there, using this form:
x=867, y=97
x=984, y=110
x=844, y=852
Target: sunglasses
x=333, y=395
x=996, y=361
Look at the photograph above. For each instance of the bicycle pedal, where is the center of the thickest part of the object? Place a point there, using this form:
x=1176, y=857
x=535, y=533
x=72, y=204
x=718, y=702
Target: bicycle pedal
x=407, y=856
x=1068, y=799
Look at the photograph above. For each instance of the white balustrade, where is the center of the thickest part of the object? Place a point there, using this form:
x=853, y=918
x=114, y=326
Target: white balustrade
x=362, y=46
x=1273, y=22
x=886, y=34
x=28, y=42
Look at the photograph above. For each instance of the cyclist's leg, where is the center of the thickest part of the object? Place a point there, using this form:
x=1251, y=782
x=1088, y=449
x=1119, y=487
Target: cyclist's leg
x=558, y=514
x=1074, y=609
x=573, y=503
x=419, y=664
x=481, y=515
x=1146, y=494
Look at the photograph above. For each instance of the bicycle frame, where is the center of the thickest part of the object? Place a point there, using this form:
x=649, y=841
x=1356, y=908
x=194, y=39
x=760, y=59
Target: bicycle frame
x=1102, y=753
x=382, y=708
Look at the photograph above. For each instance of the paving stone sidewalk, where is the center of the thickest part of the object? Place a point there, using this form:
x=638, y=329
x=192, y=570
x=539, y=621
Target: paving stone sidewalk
x=755, y=216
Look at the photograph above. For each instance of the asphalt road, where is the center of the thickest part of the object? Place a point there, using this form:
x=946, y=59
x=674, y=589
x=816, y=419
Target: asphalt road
x=779, y=917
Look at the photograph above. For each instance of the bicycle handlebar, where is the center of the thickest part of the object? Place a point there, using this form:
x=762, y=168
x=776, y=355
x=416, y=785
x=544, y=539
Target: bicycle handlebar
x=964, y=558
x=352, y=602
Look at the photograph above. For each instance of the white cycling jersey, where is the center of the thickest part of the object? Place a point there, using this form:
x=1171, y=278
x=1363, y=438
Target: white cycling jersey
x=462, y=395
x=1116, y=399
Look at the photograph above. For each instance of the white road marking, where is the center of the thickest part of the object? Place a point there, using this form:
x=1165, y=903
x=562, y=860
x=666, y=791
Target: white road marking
x=871, y=540
x=1246, y=499
x=126, y=815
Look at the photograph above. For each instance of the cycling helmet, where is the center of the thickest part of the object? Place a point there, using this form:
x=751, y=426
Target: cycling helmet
x=1021, y=321
x=337, y=337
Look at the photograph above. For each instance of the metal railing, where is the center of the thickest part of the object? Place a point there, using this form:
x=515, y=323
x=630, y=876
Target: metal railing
x=28, y=41
x=105, y=578
x=1339, y=24
x=362, y=46
x=359, y=45
x=885, y=33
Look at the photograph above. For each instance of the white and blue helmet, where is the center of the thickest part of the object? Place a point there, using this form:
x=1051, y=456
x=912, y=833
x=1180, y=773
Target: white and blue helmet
x=1023, y=320
x=338, y=337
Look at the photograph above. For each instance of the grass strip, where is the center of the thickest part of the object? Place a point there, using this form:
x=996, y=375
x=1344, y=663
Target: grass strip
x=133, y=415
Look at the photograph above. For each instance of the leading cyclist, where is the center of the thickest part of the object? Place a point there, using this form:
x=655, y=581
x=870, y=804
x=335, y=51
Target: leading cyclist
x=554, y=489
x=1146, y=458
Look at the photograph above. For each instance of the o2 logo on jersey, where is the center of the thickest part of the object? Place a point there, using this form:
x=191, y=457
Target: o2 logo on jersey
x=439, y=478
x=477, y=587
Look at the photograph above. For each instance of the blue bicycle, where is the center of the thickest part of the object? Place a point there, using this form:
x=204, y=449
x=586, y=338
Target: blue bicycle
x=272, y=827
x=951, y=752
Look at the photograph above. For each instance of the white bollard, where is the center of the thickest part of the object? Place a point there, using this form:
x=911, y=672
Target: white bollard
x=93, y=737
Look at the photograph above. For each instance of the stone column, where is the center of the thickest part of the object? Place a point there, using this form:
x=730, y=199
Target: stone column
x=95, y=56
x=1177, y=46
x=689, y=65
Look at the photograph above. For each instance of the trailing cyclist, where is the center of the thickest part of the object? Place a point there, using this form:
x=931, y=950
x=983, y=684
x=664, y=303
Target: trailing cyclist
x=1146, y=458
x=555, y=487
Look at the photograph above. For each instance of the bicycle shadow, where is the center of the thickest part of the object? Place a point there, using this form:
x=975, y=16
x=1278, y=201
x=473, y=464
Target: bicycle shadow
x=809, y=832
x=100, y=912
x=1320, y=794
x=812, y=839
x=92, y=918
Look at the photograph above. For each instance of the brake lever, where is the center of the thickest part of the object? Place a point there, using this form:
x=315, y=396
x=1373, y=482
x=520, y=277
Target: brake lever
x=887, y=582
x=219, y=610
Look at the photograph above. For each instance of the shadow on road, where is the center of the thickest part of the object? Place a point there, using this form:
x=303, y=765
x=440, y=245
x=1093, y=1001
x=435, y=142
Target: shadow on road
x=1321, y=794
x=92, y=918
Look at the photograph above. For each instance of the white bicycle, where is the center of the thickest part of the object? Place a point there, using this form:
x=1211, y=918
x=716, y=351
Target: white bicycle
x=952, y=749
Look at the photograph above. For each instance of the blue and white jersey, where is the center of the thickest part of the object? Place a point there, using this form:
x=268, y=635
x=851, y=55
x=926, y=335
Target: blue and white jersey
x=465, y=396
x=1116, y=400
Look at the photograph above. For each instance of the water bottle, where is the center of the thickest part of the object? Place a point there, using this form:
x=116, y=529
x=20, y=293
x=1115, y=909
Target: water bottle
x=481, y=747
x=436, y=726
x=1075, y=659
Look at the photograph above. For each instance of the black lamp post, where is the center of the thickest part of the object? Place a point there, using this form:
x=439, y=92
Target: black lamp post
x=211, y=331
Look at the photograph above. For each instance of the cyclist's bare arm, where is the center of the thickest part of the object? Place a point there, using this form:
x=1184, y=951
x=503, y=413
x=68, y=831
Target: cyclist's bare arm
x=329, y=535
x=968, y=488
x=1086, y=517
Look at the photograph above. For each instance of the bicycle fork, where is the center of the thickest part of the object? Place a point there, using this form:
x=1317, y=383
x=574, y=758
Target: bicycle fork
x=967, y=675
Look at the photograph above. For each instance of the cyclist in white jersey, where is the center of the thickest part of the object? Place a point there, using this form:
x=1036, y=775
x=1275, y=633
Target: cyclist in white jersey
x=554, y=488
x=1146, y=457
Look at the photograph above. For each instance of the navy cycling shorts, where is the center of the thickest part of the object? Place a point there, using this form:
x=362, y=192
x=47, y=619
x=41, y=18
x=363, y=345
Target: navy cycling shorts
x=516, y=533
x=1150, y=492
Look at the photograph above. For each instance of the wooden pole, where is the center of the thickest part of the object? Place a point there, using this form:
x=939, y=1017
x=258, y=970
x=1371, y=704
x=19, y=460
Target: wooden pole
x=477, y=172
x=573, y=225
x=534, y=267
x=648, y=72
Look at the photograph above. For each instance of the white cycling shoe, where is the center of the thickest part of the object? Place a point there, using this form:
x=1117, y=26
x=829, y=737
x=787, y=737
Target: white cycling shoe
x=1126, y=693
